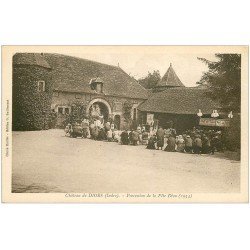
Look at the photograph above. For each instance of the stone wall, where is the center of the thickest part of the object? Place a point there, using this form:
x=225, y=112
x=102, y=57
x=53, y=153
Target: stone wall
x=31, y=108
x=66, y=99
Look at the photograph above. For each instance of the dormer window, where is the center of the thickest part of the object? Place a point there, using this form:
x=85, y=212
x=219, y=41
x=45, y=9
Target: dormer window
x=41, y=86
x=96, y=84
x=99, y=87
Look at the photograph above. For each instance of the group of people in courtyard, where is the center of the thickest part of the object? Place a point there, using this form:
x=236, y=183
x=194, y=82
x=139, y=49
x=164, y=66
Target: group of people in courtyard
x=191, y=141
x=195, y=141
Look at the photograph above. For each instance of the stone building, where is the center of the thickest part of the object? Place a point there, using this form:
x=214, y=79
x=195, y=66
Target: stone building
x=44, y=82
x=65, y=85
x=32, y=92
x=171, y=104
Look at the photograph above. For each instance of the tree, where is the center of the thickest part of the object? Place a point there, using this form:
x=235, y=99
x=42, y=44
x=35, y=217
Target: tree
x=78, y=111
x=223, y=79
x=224, y=83
x=127, y=109
x=150, y=80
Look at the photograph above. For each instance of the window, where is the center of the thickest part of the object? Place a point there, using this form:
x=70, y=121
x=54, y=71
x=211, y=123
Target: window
x=78, y=96
x=66, y=111
x=60, y=110
x=41, y=86
x=99, y=87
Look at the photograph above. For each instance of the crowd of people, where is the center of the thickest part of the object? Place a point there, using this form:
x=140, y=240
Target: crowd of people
x=195, y=141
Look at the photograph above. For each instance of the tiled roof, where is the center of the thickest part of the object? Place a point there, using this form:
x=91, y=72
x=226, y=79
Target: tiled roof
x=37, y=59
x=179, y=101
x=170, y=79
x=74, y=75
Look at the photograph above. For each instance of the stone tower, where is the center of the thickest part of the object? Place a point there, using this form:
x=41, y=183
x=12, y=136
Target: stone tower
x=169, y=80
x=32, y=91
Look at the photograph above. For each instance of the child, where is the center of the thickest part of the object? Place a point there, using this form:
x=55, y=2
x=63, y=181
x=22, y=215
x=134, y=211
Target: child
x=68, y=130
x=109, y=135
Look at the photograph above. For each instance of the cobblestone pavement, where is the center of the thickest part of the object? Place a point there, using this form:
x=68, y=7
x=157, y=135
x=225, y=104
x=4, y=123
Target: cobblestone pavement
x=47, y=161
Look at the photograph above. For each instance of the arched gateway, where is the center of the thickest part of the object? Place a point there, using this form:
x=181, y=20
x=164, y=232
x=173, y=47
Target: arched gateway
x=99, y=107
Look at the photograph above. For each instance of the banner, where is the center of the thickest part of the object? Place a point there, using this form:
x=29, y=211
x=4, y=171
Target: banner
x=150, y=119
x=222, y=123
x=214, y=122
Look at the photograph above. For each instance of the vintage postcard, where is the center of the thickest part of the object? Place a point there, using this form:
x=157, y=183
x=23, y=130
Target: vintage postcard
x=125, y=124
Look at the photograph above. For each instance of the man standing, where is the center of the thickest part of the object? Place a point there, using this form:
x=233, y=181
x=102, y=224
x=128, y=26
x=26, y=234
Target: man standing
x=206, y=145
x=197, y=144
x=160, y=137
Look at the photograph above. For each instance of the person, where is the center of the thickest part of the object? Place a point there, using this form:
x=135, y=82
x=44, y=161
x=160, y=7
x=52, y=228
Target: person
x=215, y=143
x=145, y=137
x=151, y=142
x=107, y=126
x=124, y=138
x=206, y=145
x=85, y=125
x=160, y=137
x=135, y=137
x=68, y=129
x=173, y=131
x=180, y=144
x=188, y=144
x=220, y=146
x=130, y=136
x=116, y=136
x=95, y=133
x=109, y=135
x=140, y=136
x=197, y=144
x=167, y=132
x=171, y=144
x=151, y=131
x=88, y=132
x=91, y=129
x=139, y=128
x=101, y=135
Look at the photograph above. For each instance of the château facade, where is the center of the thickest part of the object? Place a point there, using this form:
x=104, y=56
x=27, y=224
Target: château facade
x=52, y=82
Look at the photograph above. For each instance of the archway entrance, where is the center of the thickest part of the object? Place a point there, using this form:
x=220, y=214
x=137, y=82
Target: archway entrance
x=99, y=108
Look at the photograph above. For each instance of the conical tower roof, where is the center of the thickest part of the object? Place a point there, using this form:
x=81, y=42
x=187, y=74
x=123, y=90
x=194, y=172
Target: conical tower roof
x=170, y=79
x=36, y=59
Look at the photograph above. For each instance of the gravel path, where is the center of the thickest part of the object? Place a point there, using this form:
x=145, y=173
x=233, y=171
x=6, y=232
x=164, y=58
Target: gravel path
x=47, y=161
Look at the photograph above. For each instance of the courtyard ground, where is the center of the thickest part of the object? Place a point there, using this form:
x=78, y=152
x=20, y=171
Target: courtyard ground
x=47, y=161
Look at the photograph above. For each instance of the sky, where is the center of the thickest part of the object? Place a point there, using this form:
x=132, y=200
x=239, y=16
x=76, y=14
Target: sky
x=188, y=68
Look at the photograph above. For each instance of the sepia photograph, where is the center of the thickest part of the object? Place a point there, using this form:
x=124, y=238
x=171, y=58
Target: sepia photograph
x=125, y=123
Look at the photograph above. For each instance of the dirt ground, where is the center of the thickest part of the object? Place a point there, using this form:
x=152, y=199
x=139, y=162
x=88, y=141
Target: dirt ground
x=47, y=161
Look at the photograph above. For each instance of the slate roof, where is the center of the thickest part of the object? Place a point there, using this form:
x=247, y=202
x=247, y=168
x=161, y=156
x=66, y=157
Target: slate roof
x=36, y=59
x=170, y=79
x=179, y=101
x=74, y=74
